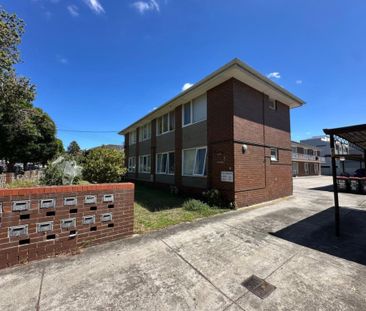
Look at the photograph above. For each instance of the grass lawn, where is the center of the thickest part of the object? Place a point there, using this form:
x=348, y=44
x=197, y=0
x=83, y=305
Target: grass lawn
x=157, y=209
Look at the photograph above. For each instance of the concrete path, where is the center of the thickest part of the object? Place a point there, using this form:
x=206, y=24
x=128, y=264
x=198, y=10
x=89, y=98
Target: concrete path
x=201, y=266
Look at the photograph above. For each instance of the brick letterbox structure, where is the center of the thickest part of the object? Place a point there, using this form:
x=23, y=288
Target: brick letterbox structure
x=41, y=222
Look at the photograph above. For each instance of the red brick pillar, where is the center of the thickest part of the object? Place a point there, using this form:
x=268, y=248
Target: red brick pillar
x=178, y=147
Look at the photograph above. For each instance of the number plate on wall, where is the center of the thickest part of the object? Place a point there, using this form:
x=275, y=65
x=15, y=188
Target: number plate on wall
x=106, y=217
x=68, y=223
x=70, y=201
x=48, y=203
x=18, y=231
x=21, y=206
x=90, y=199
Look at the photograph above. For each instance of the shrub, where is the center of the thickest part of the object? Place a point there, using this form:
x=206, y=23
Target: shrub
x=193, y=205
x=104, y=165
x=213, y=197
x=22, y=183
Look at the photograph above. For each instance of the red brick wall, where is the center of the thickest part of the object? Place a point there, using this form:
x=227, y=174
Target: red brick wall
x=220, y=131
x=38, y=245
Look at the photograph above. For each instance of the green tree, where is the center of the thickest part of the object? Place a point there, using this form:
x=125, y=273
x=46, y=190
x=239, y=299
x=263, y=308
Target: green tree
x=74, y=148
x=103, y=165
x=60, y=146
x=27, y=134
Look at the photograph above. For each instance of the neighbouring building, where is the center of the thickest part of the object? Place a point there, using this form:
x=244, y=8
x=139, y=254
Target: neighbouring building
x=342, y=147
x=306, y=160
x=230, y=131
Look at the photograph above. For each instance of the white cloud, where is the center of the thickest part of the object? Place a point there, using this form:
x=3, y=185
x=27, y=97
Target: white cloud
x=95, y=6
x=73, y=10
x=143, y=6
x=298, y=81
x=274, y=74
x=62, y=60
x=186, y=86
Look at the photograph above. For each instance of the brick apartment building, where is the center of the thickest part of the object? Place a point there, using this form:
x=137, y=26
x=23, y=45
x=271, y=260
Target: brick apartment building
x=230, y=131
x=306, y=160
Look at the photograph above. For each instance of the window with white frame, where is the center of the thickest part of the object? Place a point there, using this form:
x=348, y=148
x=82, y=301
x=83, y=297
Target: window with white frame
x=194, y=161
x=131, y=164
x=274, y=154
x=145, y=164
x=195, y=111
x=165, y=123
x=165, y=163
x=145, y=132
x=306, y=168
x=132, y=138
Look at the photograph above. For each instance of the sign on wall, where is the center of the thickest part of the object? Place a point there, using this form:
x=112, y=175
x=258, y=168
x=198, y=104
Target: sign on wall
x=227, y=176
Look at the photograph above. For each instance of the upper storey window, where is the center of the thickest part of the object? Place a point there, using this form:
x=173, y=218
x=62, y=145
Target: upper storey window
x=145, y=132
x=132, y=138
x=165, y=123
x=195, y=111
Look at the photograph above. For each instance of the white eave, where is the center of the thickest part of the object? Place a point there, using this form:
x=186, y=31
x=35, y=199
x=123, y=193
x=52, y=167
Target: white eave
x=234, y=69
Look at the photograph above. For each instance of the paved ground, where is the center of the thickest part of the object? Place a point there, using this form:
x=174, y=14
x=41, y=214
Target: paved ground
x=289, y=243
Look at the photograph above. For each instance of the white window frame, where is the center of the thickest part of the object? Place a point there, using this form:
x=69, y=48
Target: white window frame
x=170, y=113
x=191, y=110
x=306, y=168
x=140, y=166
x=273, y=104
x=130, y=140
x=316, y=168
x=131, y=168
x=195, y=159
x=145, y=129
x=167, y=163
x=276, y=159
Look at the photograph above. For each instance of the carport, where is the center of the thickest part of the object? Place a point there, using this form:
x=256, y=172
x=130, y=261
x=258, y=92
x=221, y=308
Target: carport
x=355, y=135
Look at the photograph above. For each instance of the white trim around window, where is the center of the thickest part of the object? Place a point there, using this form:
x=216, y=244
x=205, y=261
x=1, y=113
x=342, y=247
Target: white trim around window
x=145, y=132
x=132, y=164
x=132, y=138
x=165, y=123
x=165, y=163
x=145, y=164
x=195, y=111
x=194, y=162
x=274, y=154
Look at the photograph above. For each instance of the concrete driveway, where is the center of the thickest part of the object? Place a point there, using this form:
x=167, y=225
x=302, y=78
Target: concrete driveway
x=201, y=266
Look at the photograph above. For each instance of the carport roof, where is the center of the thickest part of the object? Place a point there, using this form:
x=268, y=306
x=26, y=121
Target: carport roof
x=355, y=134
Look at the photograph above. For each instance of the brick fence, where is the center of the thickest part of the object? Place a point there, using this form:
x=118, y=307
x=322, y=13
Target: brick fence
x=41, y=222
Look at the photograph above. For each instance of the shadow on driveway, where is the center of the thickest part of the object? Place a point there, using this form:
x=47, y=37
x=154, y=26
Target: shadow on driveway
x=318, y=232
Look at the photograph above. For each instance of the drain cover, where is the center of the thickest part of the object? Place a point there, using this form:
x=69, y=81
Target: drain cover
x=258, y=286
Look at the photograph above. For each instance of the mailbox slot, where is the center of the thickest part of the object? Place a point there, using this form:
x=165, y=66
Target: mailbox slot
x=70, y=201
x=90, y=199
x=108, y=198
x=19, y=206
x=18, y=231
x=68, y=223
x=106, y=217
x=48, y=203
x=45, y=226
x=88, y=220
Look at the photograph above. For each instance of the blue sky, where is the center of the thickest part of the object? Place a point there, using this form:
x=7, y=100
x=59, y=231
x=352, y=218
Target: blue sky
x=101, y=64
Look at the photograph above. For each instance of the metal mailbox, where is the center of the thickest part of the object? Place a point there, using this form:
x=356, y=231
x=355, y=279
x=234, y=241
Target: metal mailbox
x=68, y=223
x=48, y=203
x=88, y=220
x=90, y=199
x=70, y=201
x=108, y=198
x=106, y=217
x=45, y=226
x=19, y=206
x=16, y=231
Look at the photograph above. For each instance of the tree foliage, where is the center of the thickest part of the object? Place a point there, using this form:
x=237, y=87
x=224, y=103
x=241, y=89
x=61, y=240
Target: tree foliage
x=104, y=165
x=27, y=134
x=74, y=148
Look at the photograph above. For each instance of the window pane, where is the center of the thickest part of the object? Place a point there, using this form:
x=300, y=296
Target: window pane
x=188, y=161
x=274, y=155
x=165, y=123
x=164, y=163
x=200, y=162
x=171, y=163
x=187, y=114
x=158, y=163
x=199, y=109
x=172, y=121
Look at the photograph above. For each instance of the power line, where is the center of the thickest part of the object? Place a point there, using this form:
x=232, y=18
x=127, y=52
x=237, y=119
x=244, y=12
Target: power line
x=85, y=131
